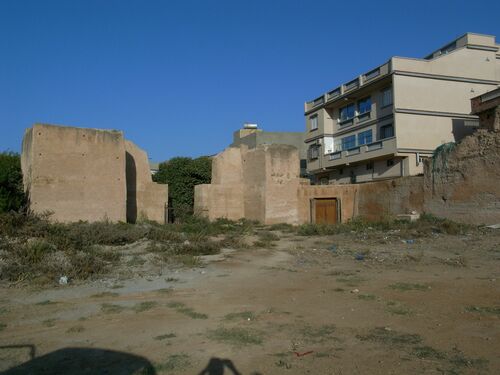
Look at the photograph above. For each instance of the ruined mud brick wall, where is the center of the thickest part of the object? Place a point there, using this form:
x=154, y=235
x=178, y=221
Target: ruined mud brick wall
x=78, y=174
x=90, y=175
x=281, y=184
x=464, y=184
x=388, y=198
x=145, y=198
x=224, y=196
x=256, y=184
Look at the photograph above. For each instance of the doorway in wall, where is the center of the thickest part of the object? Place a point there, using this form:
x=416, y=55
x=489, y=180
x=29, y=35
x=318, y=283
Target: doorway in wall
x=325, y=211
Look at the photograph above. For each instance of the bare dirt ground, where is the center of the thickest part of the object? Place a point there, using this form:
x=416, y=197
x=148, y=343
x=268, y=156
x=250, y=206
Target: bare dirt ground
x=339, y=304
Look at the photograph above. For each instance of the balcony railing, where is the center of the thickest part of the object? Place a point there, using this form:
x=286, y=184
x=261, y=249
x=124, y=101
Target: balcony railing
x=338, y=154
x=354, y=84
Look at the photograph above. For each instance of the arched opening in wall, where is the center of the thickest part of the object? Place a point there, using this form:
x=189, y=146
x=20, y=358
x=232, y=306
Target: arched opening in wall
x=131, y=178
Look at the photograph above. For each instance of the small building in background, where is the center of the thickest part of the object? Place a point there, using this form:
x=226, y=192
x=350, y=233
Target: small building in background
x=251, y=136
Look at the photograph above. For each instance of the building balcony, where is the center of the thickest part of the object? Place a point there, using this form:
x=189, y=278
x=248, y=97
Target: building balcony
x=377, y=149
x=347, y=88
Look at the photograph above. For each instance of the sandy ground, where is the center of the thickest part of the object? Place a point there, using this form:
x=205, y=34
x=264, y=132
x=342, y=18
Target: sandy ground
x=309, y=305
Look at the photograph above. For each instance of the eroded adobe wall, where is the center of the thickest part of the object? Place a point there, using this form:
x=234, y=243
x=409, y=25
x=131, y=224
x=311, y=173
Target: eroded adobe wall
x=78, y=174
x=388, y=198
x=224, y=197
x=463, y=184
x=146, y=200
x=256, y=184
x=281, y=184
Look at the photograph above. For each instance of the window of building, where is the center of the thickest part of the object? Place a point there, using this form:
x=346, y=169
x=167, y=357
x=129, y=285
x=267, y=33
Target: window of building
x=386, y=131
x=314, y=122
x=387, y=97
x=313, y=152
x=390, y=162
x=365, y=137
x=341, y=171
x=369, y=165
x=347, y=112
x=348, y=142
x=364, y=106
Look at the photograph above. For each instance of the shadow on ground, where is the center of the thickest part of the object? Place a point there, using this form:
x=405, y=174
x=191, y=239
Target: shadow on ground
x=80, y=361
x=216, y=366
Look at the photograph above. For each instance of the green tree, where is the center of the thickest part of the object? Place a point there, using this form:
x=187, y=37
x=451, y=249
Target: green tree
x=182, y=174
x=11, y=182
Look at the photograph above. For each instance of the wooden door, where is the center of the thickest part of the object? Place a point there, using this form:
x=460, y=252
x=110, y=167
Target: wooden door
x=325, y=211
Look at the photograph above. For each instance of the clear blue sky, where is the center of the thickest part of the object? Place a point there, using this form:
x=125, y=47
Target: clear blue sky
x=178, y=77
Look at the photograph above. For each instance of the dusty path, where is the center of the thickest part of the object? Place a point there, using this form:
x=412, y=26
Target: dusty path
x=305, y=306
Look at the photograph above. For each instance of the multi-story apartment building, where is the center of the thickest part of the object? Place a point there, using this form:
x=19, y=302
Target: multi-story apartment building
x=381, y=124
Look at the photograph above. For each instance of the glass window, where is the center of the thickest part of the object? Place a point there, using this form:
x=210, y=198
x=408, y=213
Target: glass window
x=314, y=122
x=313, y=152
x=387, y=97
x=365, y=137
x=347, y=112
x=348, y=142
x=386, y=131
x=364, y=105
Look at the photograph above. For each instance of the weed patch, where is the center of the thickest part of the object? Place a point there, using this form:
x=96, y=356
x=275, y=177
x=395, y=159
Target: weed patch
x=389, y=337
x=244, y=315
x=236, y=336
x=367, y=297
x=165, y=336
x=427, y=352
x=175, y=362
x=109, y=308
x=144, y=306
x=485, y=310
x=404, y=287
x=318, y=334
x=188, y=311
x=105, y=294
x=75, y=329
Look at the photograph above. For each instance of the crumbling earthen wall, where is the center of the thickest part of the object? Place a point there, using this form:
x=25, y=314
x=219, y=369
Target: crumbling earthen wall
x=145, y=198
x=388, y=198
x=262, y=184
x=464, y=183
x=256, y=184
x=78, y=174
x=83, y=174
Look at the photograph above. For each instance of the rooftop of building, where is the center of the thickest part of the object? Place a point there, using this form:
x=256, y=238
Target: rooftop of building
x=470, y=40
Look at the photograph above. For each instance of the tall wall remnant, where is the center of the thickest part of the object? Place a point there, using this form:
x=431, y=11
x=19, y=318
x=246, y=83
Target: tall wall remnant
x=257, y=184
x=88, y=174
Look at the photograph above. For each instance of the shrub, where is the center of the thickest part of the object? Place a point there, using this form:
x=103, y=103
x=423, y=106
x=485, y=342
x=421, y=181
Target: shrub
x=182, y=174
x=12, y=197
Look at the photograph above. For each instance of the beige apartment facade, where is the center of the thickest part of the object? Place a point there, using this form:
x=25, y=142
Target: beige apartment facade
x=384, y=123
